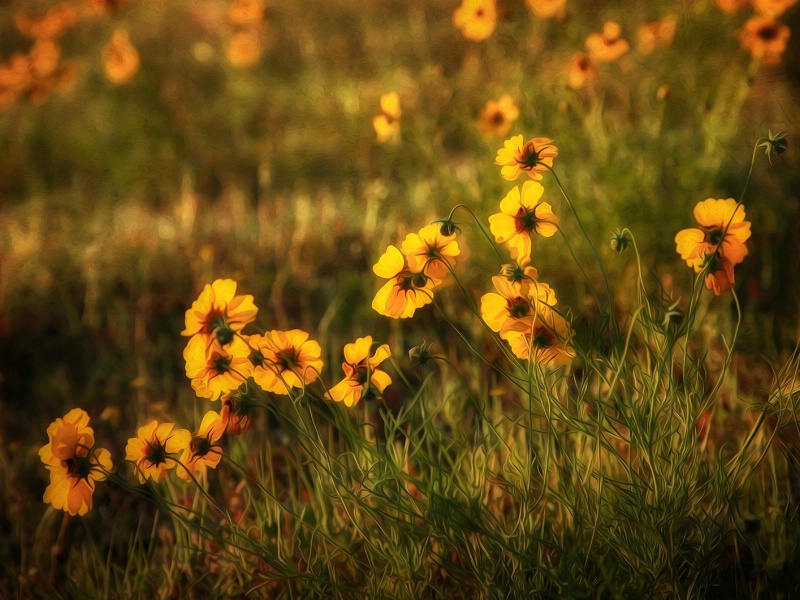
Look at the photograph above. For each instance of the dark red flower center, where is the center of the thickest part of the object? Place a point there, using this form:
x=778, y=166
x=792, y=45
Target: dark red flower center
x=767, y=33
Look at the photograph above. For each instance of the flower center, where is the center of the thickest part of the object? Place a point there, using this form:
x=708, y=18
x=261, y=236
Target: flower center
x=156, y=452
x=79, y=467
x=518, y=307
x=220, y=363
x=529, y=156
x=361, y=374
x=287, y=359
x=200, y=446
x=525, y=220
x=544, y=338
x=714, y=236
x=768, y=33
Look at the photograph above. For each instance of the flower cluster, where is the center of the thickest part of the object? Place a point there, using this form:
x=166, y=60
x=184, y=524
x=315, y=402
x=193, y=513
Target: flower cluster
x=387, y=121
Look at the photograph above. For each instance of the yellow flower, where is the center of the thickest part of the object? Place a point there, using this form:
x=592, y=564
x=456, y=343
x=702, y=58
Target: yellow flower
x=516, y=304
x=607, y=46
x=244, y=48
x=546, y=344
x=74, y=463
x=219, y=312
x=656, y=34
x=154, y=449
x=533, y=157
x=522, y=216
x=216, y=369
x=430, y=252
x=720, y=239
x=246, y=12
x=772, y=8
x=120, y=58
x=290, y=360
x=361, y=372
x=405, y=292
x=235, y=414
x=387, y=121
x=730, y=6
x=544, y=9
x=581, y=71
x=765, y=39
x=203, y=451
x=476, y=19
x=498, y=115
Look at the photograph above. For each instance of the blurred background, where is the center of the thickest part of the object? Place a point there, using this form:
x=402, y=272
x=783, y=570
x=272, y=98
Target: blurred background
x=148, y=147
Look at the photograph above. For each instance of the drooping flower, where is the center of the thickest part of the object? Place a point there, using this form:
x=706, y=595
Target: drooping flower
x=476, y=19
x=719, y=242
x=204, y=451
x=155, y=449
x=581, y=71
x=430, y=251
x=545, y=9
x=521, y=216
x=765, y=39
x=387, y=122
x=607, y=46
x=74, y=463
x=498, y=116
x=656, y=34
x=361, y=372
x=772, y=8
x=533, y=157
x=290, y=360
x=120, y=58
x=216, y=369
x=236, y=409
x=547, y=343
x=516, y=304
x=219, y=312
x=407, y=289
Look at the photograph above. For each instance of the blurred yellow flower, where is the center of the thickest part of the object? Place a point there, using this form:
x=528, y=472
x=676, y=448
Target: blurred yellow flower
x=120, y=58
x=219, y=312
x=406, y=291
x=545, y=9
x=216, y=369
x=765, y=39
x=246, y=12
x=656, y=34
x=476, y=19
x=155, y=448
x=290, y=360
x=581, y=71
x=498, y=116
x=772, y=8
x=361, y=372
x=521, y=216
x=730, y=6
x=533, y=157
x=49, y=25
x=547, y=344
x=244, y=49
x=44, y=57
x=430, y=252
x=607, y=46
x=203, y=451
x=387, y=122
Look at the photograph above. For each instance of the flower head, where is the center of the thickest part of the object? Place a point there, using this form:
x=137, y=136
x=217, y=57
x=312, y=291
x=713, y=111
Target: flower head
x=516, y=304
x=521, y=216
x=765, y=39
x=607, y=46
x=219, y=312
x=244, y=48
x=581, y=71
x=476, y=19
x=361, y=371
x=407, y=289
x=387, y=122
x=203, y=451
x=120, y=58
x=775, y=144
x=216, y=369
x=236, y=409
x=533, y=157
x=656, y=34
x=74, y=463
x=545, y=9
x=155, y=448
x=430, y=251
x=291, y=360
x=547, y=343
x=498, y=116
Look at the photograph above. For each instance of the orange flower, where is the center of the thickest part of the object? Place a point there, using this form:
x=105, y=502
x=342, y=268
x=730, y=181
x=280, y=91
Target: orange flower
x=48, y=26
x=772, y=8
x=216, y=369
x=730, y=6
x=544, y=9
x=290, y=360
x=120, y=58
x=607, y=46
x=516, y=304
x=656, y=34
x=387, y=122
x=476, y=19
x=74, y=463
x=244, y=49
x=246, y=12
x=154, y=449
x=219, y=312
x=406, y=291
x=533, y=157
x=203, y=451
x=235, y=414
x=765, y=39
x=546, y=344
x=522, y=216
x=719, y=242
x=431, y=252
x=361, y=372
x=498, y=116
x=15, y=78
x=581, y=71
x=44, y=56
